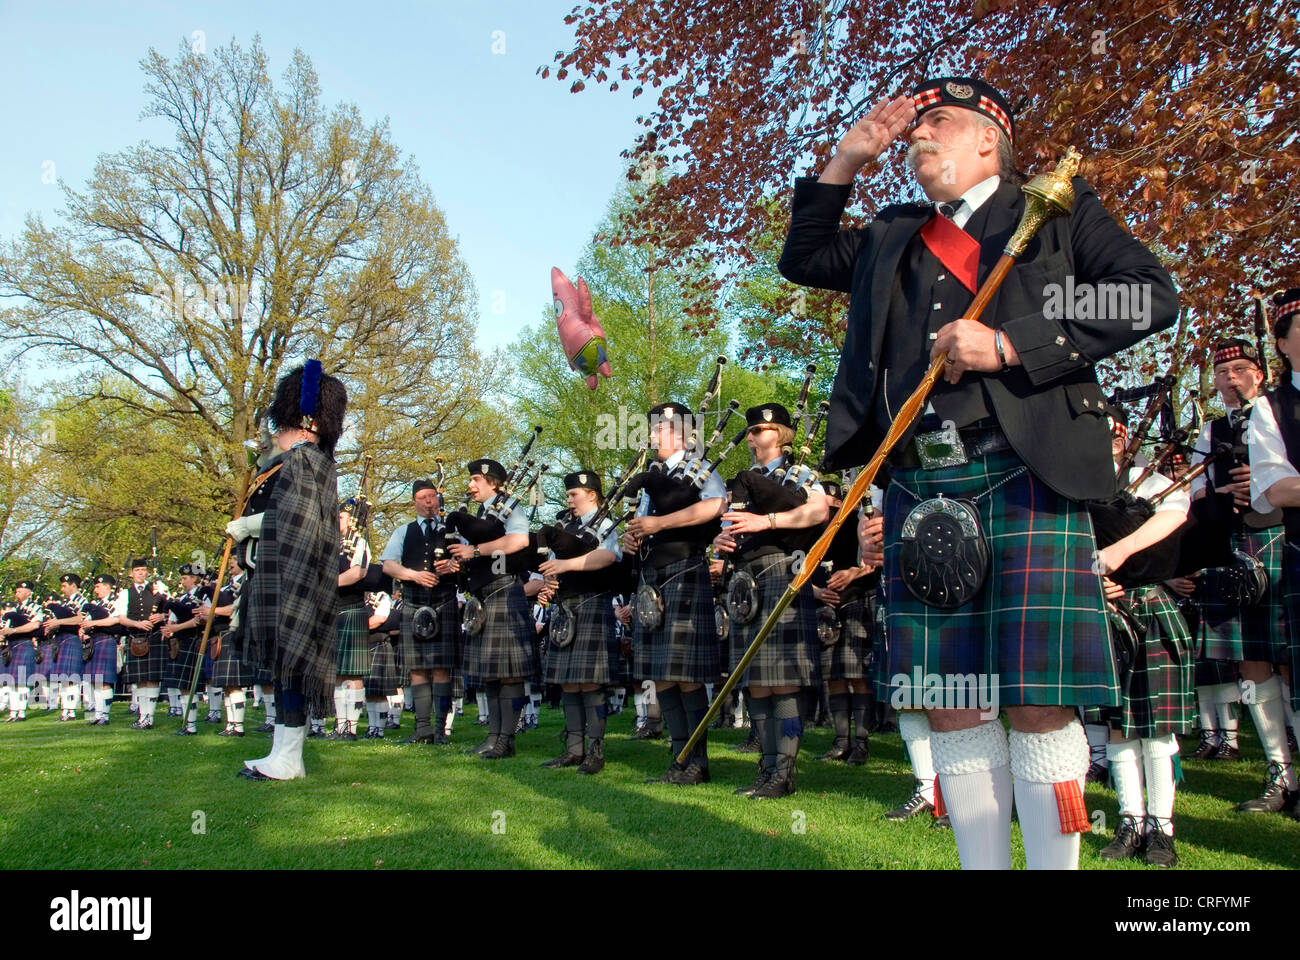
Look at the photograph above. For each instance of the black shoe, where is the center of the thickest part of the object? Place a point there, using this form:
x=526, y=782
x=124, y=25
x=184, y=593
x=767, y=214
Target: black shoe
x=1097, y=773
x=392, y=724
x=186, y=732
x=750, y=744
x=1160, y=850
x=250, y=774
x=839, y=749
x=651, y=730
x=594, y=761
x=230, y=732
x=483, y=747
x=857, y=756
x=265, y=727
x=481, y=722
x=1275, y=797
x=99, y=722
x=345, y=734
x=687, y=776
x=780, y=784
x=915, y=804
x=888, y=726
x=374, y=733
x=441, y=739
x=1208, y=749
x=565, y=759
x=941, y=823
x=214, y=716
x=504, y=749
x=417, y=737
x=142, y=725
x=1227, y=752
x=764, y=775
x=1128, y=841
x=315, y=733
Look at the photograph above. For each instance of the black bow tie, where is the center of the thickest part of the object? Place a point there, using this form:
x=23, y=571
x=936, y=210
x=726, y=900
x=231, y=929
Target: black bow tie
x=950, y=210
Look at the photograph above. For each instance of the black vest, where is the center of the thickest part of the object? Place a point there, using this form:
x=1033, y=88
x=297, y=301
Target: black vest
x=419, y=553
x=668, y=496
x=606, y=580
x=139, y=603
x=1285, y=401
x=480, y=571
x=922, y=303
x=757, y=491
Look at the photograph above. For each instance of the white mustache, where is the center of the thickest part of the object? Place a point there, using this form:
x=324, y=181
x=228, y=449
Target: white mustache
x=919, y=147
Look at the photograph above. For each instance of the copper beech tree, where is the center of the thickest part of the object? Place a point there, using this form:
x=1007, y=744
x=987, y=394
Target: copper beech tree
x=1185, y=112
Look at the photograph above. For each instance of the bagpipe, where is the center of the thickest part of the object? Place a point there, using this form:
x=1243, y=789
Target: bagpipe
x=489, y=523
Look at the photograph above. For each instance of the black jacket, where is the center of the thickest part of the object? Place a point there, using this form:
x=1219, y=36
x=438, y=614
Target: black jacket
x=1050, y=407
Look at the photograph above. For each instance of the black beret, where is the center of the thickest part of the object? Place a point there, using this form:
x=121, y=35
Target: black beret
x=107, y=578
x=70, y=578
x=669, y=410
x=187, y=571
x=768, y=413
x=586, y=479
x=26, y=584
x=968, y=92
x=1235, y=348
x=422, y=485
x=488, y=468
x=139, y=562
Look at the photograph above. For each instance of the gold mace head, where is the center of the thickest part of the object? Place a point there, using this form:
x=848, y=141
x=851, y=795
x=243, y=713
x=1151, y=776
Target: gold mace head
x=1047, y=195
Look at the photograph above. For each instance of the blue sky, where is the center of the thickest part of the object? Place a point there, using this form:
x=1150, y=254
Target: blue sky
x=522, y=168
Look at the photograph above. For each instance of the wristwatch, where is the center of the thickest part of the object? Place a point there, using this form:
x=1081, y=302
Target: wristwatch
x=771, y=519
x=476, y=552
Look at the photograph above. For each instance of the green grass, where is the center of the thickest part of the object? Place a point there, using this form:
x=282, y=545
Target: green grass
x=107, y=798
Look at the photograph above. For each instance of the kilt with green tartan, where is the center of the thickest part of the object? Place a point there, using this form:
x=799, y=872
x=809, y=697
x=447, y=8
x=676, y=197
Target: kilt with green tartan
x=382, y=680
x=1208, y=673
x=230, y=669
x=506, y=647
x=352, y=656
x=149, y=669
x=1037, y=632
x=445, y=650
x=1159, y=696
x=683, y=648
x=1291, y=596
x=1259, y=632
x=849, y=658
x=179, y=673
x=587, y=658
x=791, y=654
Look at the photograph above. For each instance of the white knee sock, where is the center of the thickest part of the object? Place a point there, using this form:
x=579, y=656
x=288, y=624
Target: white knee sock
x=192, y=715
x=407, y=702
x=372, y=713
x=19, y=707
x=103, y=701
x=914, y=728
x=356, y=703
x=70, y=697
x=1286, y=702
x=458, y=706
x=149, y=701
x=341, y=694
x=1126, y=770
x=395, y=706
x=1227, y=723
x=1158, y=762
x=235, y=704
x=1049, y=769
x=740, y=711
x=451, y=720
x=1208, y=716
x=215, y=695
x=268, y=703
x=482, y=700
x=4, y=697
x=638, y=704
x=1270, y=722
x=174, y=697
x=975, y=775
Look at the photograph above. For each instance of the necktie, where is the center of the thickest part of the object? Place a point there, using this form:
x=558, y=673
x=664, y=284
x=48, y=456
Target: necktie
x=424, y=526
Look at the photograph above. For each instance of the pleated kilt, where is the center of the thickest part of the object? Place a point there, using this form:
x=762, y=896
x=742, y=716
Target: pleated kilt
x=382, y=680
x=684, y=647
x=507, y=645
x=230, y=669
x=445, y=651
x=850, y=657
x=1231, y=632
x=791, y=654
x=352, y=654
x=22, y=661
x=1037, y=632
x=47, y=655
x=588, y=658
x=1291, y=596
x=1211, y=672
x=620, y=667
x=1159, y=692
x=102, y=666
x=180, y=672
x=150, y=668
x=70, y=665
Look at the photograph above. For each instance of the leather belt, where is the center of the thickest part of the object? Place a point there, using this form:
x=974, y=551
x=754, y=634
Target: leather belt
x=971, y=444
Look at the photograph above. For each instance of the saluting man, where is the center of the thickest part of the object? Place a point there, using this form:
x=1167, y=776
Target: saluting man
x=1016, y=428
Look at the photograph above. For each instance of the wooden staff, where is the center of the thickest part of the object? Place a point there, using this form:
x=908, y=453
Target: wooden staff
x=1048, y=195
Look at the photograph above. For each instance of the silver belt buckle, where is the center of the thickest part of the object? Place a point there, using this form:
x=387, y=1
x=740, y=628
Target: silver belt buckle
x=941, y=448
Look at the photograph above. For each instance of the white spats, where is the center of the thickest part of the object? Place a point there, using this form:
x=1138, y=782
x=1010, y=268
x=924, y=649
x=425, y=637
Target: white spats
x=975, y=776
x=1158, y=763
x=1126, y=771
x=914, y=728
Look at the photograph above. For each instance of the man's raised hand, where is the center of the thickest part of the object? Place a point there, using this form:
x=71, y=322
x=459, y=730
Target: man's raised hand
x=867, y=139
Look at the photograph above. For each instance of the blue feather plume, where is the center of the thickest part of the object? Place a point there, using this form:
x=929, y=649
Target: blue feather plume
x=310, y=392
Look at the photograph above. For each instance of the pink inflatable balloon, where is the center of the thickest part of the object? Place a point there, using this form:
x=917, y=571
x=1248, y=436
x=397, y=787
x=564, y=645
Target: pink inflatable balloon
x=581, y=335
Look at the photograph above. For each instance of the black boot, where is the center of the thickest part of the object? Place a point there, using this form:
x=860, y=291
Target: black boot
x=506, y=710
x=1128, y=841
x=493, y=690
x=573, y=732
x=840, y=716
x=1275, y=797
x=441, y=707
x=781, y=783
x=858, y=753
x=503, y=749
x=594, y=761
